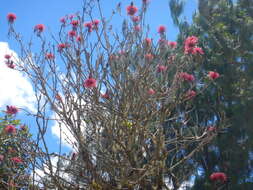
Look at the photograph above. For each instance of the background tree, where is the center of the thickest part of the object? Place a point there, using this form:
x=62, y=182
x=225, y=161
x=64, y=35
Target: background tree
x=225, y=28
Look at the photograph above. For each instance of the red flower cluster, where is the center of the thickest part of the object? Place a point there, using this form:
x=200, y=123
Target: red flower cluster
x=161, y=68
x=17, y=160
x=11, y=17
x=131, y=9
x=63, y=20
x=49, y=56
x=149, y=57
x=11, y=110
x=151, y=91
x=89, y=26
x=190, y=94
x=74, y=23
x=9, y=62
x=187, y=77
x=148, y=42
x=39, y=28
x=72, y=33
x=172, y=44
x=10, y=129
x=190, y=46
x=161, y=29
x=213, y=75
x=135, y=18
x=79, y=38
x=218, y=176
x=90, y=83
x=61, y=47
x=7, y=56
x=105, y=95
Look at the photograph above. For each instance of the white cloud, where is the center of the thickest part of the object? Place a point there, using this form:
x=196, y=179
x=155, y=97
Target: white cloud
x=15, y=88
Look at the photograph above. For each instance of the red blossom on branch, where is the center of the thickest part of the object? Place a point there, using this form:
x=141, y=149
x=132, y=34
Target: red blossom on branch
x=39, y=28
x=213, y=75
x=17, y=160
x=131, y=9
x=11, y=110
x=161, y=29
x=49, y=56
x=90, y=83
x=218, y=176
x=11, y=17
x=10, y=129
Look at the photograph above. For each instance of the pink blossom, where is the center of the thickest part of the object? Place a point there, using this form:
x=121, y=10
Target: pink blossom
x=213, y=75
x=11, y=17
x=63, y=20
x=88, y=25
x=49, y=56
x=149, y=57
x=135, y=18
x=10, y=129
x=79, y=38
x=11, y=110
x=190, y=94
x=161, y=68
x=191, y=41
x=72, y=33
x=161, y=29
x=131, y=9
x=105, y=95
x=10, y=64
x=148, y=41
x=61, y=46
x=137, y=28
x=172, y=44
x=218, y=176
x=90, y=83
x=95, y=23
x=7, y=56
x=74, y=23
x=198, y=50
x=151, y=91
x=39, y=28
x=17, y=160
x=187, y=77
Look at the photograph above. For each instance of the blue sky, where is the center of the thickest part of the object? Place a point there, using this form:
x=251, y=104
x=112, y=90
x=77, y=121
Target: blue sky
x=48, y=12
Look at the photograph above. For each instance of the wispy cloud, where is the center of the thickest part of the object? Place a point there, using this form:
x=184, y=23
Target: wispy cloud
x=15, y=88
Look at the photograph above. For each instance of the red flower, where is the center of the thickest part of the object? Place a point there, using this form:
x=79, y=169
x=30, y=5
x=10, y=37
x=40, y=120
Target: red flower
x=211, y=128
x=72, y=33
x=148, y=41
x=61, y=47
x=89, y=26
x=172, y=44
x=10, y=64
x=198, y=50
x=78, y=38
x=161, y=68
x=10, y=129
x=105, y=95
x=71, y=16
x=7, y=56
x=149, y=57
x=135, y=18
x=187, y=77
x=58, y=97
x=74, y=23
x=151, y=91
x=218, y=176
x=137, y=28
x=63, y=20
x=191, y=41
x=131, y=9
x=213, y=75
x=95, y=23
x=16, y=160
x=90, y=83
x=39, y=28
x=11, y=110
x=190, y=94
x=161, y=29
x=11, y=17
x=49, y=56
